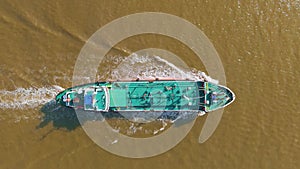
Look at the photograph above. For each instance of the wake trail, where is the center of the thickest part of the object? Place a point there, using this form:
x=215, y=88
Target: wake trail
x=143, y=67
x=27, y=98
x=132, y=67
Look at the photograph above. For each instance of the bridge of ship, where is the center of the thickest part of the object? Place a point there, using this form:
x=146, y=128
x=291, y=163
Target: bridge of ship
x=89, y=98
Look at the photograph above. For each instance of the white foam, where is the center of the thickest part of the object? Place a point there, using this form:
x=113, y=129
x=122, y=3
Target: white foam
x=131, y=67
x=25, y=98
x=144, y=67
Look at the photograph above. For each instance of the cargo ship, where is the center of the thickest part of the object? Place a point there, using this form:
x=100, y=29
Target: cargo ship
x=147, y=96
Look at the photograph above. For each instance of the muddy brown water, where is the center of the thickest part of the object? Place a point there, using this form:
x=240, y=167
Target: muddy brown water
x=257, y=41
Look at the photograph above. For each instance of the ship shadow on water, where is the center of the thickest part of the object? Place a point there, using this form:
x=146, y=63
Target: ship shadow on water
x=60, y=117
x=67, y=118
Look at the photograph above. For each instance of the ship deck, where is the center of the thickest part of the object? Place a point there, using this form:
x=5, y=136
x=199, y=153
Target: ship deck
x=147, y=96
x=155, y=96
x=217, y=96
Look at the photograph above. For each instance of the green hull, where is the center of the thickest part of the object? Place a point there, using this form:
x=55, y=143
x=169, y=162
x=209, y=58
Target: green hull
x=159, y=95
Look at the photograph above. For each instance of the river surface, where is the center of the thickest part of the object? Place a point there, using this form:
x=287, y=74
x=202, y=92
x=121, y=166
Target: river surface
x=257, y=41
